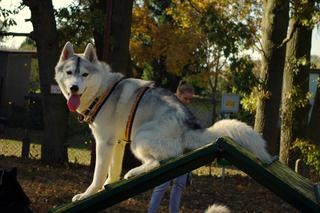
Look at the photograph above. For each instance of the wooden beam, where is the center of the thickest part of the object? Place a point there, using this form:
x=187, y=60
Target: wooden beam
x=280, y=179
x=124, y=189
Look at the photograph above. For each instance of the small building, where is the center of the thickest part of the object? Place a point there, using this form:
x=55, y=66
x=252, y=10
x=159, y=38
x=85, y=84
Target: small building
x=15, y=66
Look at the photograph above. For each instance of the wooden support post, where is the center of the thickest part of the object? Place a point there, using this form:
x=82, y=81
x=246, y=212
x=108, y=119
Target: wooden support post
x=25, y=147
x=301, y=168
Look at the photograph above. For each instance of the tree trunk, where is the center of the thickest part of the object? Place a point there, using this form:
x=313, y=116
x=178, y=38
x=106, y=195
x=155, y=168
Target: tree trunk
x=294, y=116
x=214, y=93
x=55, y=113
x=98, y=7
x=275, y=23
x=120, y=31
x=112, y=43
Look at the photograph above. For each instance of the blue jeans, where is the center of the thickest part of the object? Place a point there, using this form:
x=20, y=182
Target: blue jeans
x=175, y=195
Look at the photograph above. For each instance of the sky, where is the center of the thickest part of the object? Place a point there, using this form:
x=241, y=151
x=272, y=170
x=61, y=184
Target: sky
x=26, y=27
x=22, y=26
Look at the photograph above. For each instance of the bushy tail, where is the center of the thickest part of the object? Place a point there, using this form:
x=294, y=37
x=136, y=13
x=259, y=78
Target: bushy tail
x=215, y=208
x=237, y=130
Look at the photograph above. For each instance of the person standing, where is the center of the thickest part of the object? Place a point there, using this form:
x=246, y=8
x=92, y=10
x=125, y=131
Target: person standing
x=185, y=94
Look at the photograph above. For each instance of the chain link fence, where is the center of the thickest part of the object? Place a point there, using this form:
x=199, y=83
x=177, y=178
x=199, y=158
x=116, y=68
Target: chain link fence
x=202, y=109
x=24, y=149
x=25, y=140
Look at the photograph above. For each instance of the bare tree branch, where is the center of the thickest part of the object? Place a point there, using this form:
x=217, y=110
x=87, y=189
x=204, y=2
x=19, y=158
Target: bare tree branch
x=16, y=34
x=289, y=37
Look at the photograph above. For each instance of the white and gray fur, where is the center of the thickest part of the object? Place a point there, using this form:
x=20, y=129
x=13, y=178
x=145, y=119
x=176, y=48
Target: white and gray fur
x=163, y=126
x=217, y=208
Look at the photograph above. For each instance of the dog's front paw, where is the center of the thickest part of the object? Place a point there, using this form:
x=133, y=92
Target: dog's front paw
x=79, y=197
x=90, y=191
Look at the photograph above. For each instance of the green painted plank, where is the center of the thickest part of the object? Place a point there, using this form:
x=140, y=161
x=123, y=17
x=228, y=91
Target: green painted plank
x=125, y=189
x=290, y=186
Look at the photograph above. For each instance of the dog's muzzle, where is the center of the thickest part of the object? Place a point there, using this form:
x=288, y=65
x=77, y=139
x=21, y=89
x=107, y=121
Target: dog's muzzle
x=74, y=89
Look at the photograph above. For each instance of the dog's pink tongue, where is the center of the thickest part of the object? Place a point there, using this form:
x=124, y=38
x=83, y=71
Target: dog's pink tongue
x=73, y=102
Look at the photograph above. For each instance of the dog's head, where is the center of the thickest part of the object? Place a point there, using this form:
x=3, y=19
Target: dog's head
x=77, y=74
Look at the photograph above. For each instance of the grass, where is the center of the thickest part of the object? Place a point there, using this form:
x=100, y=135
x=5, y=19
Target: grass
x=79, y=156
x=14, y=147
x=78, y=149
x=82, y=156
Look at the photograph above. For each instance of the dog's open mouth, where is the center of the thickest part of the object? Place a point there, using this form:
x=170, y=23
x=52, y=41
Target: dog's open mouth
x=73, y=102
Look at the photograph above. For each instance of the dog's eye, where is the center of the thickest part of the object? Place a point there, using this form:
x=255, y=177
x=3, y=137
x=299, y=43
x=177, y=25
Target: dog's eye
x=69, y=72
x=85, y=74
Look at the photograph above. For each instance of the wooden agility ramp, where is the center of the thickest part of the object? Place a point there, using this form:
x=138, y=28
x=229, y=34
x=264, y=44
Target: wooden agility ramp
x=290, y=186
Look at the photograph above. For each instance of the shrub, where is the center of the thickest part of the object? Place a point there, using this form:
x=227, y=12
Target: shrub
x=310, y=153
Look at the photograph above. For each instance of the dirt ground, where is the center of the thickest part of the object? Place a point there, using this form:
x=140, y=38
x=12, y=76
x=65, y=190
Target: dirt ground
x=49, y=187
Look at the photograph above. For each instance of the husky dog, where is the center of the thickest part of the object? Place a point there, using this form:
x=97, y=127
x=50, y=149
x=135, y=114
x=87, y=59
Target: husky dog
x=163, y=127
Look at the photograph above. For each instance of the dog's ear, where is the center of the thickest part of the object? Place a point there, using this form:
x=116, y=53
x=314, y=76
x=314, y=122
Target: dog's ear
x=90, y=53
x=67, y=52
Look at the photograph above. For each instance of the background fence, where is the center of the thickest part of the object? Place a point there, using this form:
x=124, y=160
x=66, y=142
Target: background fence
x=22, y=134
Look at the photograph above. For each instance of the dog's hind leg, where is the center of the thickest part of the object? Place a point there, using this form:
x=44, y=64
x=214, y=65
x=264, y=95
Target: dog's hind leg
x=150, y=145
x=115, y=167
x=145, y=167
x=103, y=156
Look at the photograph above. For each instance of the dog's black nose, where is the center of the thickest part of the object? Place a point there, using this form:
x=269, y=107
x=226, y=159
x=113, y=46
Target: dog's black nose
x=74, y=88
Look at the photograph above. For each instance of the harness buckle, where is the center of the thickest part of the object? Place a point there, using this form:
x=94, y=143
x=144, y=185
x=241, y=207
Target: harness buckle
x=81, y=118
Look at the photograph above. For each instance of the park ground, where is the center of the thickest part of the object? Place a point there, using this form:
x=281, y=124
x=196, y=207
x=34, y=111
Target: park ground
x=49, y=187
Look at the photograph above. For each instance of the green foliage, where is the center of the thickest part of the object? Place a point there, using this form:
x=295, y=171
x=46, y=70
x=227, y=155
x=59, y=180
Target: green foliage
x=192, y=39
x=306, y=12
x=310, y=153
x=249, y=102
x=7, y=16
x=240, y=79
x=297, y=96
x=236, y=35
x=240, y=76
x=75, y=24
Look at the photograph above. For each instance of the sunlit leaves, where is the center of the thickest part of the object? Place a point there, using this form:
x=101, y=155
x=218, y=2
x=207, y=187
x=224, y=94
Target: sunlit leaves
x=75, y=23
x=154, y=36
x=192, y=37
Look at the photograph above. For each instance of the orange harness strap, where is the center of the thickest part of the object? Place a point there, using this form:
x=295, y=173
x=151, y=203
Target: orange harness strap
x=134, y=110
x=90, y=114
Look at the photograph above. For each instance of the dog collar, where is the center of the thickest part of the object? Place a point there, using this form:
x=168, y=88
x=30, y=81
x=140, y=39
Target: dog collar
x=90, y=114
